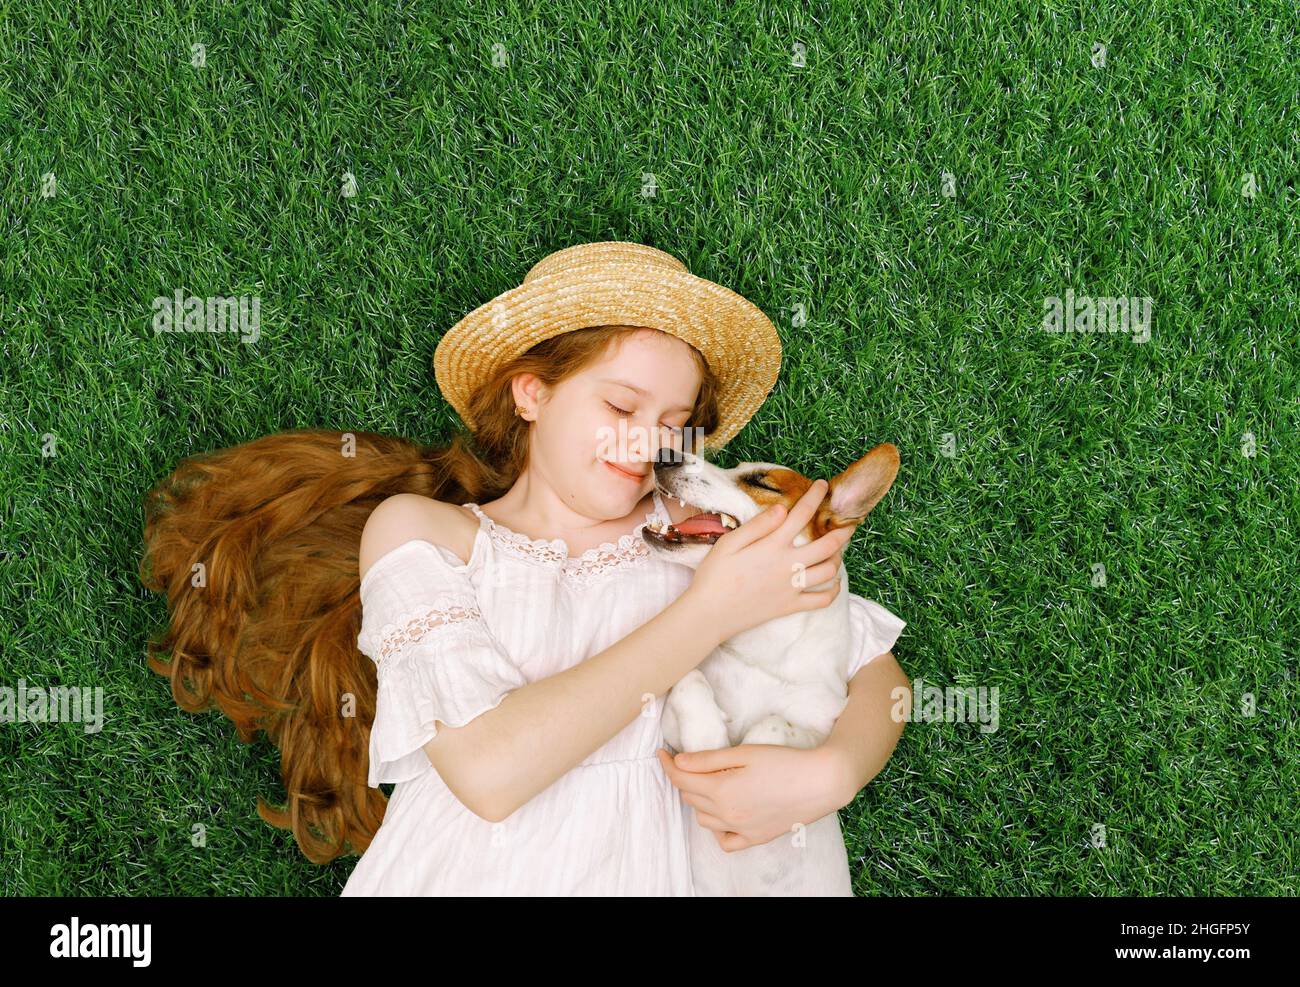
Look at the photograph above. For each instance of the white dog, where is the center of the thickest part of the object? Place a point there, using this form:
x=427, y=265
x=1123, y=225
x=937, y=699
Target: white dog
x=783, y=682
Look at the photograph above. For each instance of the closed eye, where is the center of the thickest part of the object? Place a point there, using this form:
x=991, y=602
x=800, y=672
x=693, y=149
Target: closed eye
x=754, y=480
x=676, y=430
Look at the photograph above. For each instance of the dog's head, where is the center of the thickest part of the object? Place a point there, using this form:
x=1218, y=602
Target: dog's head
x=730, y=497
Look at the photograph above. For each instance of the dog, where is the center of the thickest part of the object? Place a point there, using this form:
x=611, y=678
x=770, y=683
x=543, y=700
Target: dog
x=783, y=682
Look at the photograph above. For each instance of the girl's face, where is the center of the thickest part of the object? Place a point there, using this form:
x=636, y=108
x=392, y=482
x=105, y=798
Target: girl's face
x=596, y=435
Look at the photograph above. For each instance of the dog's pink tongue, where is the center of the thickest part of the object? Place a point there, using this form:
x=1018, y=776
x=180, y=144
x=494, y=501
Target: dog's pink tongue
x=701, y=524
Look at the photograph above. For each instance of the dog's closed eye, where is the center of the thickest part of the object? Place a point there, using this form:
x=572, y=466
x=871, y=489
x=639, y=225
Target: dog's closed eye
x=755, y=480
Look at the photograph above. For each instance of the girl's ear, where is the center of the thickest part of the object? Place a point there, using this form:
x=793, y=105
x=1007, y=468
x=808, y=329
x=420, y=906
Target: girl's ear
x=529, y=391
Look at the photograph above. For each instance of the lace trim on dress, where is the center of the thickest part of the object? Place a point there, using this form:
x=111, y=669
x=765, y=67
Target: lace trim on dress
x=628, y=550
x=413, y=627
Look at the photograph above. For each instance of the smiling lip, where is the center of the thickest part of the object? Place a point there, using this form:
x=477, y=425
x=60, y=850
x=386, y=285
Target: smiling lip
x=622, y=472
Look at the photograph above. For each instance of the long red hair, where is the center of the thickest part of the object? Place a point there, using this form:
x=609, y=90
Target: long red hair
x=255, y=547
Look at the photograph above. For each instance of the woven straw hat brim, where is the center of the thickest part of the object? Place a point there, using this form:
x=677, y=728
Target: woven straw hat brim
x=740, y=343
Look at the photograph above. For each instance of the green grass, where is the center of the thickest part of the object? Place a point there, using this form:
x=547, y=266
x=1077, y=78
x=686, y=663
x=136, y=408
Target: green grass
x=1120, y=705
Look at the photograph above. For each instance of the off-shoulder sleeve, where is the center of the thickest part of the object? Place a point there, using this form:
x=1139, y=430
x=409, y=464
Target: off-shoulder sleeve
x=875, y=630
x=436, y=659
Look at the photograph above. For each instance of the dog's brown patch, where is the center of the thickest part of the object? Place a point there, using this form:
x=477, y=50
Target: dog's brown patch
x=850, y=497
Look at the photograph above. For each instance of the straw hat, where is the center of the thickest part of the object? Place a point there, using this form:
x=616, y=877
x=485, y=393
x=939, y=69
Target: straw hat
x=617, y=283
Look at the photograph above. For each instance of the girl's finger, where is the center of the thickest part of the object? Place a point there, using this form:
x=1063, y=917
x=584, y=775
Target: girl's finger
x=755, y=528
x=815, y=575
x=731, y=842
x=813, y=599
x=825, y=546
x=801, y=513
x=697, y=801
x=711, y=822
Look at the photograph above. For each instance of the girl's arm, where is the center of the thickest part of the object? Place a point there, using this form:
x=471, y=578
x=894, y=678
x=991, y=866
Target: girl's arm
x=507, y=755
x=866, y=733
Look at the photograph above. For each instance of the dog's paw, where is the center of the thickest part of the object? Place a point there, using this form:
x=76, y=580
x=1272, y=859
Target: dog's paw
x=700, y=724
x=776, y=729
x=705, y=736
x=692, y=687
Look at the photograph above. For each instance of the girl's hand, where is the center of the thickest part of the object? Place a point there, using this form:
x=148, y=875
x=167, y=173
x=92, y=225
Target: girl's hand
x=755, y=793
x=754, y=573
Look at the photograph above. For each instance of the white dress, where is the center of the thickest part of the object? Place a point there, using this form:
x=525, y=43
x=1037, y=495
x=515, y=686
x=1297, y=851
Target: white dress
x=451, y=640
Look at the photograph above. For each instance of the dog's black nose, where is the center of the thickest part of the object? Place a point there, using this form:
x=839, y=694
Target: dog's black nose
x=668, y=458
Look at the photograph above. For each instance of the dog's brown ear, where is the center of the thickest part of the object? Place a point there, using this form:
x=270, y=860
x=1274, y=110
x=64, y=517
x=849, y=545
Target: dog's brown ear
x=859, y=488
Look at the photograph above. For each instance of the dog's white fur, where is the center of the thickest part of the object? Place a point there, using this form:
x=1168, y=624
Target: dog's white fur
x=783, y=682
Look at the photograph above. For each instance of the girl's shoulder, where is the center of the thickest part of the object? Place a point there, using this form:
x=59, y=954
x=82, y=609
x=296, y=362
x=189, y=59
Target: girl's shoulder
x=403, y=517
